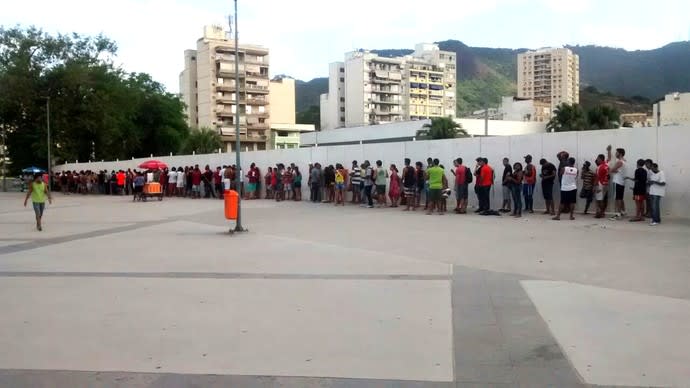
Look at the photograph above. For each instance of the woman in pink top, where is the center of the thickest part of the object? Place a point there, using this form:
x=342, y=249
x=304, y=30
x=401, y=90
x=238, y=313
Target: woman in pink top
x=394, y=187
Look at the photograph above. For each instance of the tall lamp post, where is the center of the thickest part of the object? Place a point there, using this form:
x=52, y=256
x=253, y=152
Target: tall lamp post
x=50, y=174
x=238, y=175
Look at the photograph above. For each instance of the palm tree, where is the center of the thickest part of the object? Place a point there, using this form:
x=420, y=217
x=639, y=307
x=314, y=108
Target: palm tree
x=441, y=128
x=202, y=141
x=603, y=117
x=567, y=117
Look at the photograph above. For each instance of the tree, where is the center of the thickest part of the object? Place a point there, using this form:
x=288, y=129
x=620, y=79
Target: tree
x=603, y=117
x=567, y=118
x=310, y=116
x=97, y=111
x=441, y=128
x=202, y=141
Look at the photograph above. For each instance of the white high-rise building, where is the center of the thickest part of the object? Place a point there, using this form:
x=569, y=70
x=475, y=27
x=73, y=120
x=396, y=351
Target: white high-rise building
x=674, y=109
x=369, y=89
x=550, y=75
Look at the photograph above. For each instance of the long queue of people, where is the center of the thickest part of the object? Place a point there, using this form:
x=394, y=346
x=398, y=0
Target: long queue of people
x=372, y=185
x=413, y=187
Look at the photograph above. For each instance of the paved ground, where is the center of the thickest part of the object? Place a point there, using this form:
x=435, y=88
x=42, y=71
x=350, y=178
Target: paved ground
x=121, y=294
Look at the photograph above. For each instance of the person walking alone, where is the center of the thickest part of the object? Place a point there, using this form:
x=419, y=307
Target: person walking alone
x=38, y=192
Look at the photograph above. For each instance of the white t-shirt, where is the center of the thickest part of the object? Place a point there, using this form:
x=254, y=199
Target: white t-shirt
x=569, y=179
x=172, y=177
x=618, y=177
x=180, y=178
x=656, y=189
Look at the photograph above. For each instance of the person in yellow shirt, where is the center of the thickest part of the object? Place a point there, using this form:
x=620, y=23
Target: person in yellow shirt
x=38, y=191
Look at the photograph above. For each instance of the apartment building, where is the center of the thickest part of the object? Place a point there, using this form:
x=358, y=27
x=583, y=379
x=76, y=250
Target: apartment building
x=207, y=86
x=549, y=75
x=674, y=109
x=369, y=89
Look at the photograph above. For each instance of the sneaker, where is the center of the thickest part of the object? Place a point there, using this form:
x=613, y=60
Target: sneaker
x=370, y=207
x=653, y=223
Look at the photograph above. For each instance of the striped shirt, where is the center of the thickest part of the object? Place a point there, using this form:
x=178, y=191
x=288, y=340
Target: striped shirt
x=587, y=180
x=356, y=176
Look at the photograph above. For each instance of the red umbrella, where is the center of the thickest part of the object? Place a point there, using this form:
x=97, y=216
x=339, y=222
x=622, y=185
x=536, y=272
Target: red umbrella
x=153, y=165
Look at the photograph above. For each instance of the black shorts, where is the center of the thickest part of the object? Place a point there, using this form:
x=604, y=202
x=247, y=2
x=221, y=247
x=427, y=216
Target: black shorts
x=568, y=197
x=620, y=192
x=434, y=195
x=380, y=189
x=547, y=190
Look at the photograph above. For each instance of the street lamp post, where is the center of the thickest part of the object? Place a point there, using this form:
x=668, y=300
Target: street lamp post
x=50, y=176
x=238, y=177
x=4, y=160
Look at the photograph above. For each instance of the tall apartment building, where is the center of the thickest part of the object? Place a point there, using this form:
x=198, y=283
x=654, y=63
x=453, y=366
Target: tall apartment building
x=369, y=89
x=550, y=75
x=674, y=109
x=207, y=86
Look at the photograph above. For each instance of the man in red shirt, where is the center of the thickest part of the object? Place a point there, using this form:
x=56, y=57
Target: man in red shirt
x=120, y=177
x=461, y=192
x=601, y=185
x=196, y=182
x=484, y=182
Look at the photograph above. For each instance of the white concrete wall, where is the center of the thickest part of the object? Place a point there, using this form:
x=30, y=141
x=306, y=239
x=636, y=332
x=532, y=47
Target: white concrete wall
x=668, y=146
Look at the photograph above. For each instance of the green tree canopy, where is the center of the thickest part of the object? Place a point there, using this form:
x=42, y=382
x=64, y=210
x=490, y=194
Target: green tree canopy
x=202, y=141
x=568, y=118
x=441, y=128
x=97, y=111
x=573, y=118
x=603, y=117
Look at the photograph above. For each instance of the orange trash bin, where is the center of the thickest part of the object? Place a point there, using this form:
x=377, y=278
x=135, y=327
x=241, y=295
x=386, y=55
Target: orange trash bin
x=231, y=198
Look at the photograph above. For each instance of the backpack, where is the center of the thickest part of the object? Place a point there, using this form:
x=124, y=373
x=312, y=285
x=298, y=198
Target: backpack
x=468, y=175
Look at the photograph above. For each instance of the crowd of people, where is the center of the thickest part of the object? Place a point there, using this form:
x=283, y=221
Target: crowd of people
x=414, y=187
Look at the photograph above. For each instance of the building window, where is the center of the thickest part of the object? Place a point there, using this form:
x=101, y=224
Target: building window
x=342, y=109
x=342, y=79
x=342, y=99
x=342, y=69
x=341, y=119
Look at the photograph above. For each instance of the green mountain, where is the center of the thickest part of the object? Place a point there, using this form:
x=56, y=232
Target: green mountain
x=485, y=74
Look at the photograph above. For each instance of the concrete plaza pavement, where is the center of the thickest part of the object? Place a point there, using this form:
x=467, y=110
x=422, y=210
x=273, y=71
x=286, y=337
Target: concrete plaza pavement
x=157, y=294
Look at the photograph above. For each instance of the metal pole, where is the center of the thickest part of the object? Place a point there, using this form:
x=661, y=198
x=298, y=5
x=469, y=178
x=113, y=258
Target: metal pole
x=238, y=177
x=4, y=161
x=50, y=177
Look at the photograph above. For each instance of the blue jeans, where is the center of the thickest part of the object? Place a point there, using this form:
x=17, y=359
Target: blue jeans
x=39, y=207
x=656, y=208
x=367, y=193
x=517, y=200
x=528, y=192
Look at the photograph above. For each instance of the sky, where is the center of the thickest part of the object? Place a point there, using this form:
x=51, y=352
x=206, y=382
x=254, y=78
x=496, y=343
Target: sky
x=304, y=36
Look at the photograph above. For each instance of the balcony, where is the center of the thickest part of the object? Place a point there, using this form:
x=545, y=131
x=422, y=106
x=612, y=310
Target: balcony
x=258, y=126
x=257, y=88
x=228, y=87
x=390, y=102
x=380, y=112
x=257, y=101
x=381, y=91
